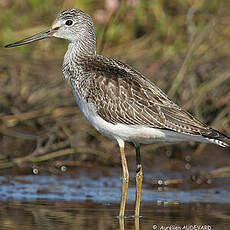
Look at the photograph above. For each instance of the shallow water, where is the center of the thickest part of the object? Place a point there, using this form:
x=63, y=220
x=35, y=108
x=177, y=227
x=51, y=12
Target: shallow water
x=91, y=201
x=102, y=189
x=43, y=214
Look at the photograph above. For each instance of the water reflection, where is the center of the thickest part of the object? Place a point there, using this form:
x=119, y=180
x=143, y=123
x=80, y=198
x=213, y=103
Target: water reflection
x=61, y=215
x=85, y=201
x=136, y=223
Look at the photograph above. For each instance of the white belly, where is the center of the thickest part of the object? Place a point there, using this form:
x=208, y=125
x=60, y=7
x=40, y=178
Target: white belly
x=140, y=134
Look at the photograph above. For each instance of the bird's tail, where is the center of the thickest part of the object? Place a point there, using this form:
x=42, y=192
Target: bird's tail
x=215, y=137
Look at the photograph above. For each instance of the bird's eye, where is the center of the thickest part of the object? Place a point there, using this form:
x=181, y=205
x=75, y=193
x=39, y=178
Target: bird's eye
x=69, y=22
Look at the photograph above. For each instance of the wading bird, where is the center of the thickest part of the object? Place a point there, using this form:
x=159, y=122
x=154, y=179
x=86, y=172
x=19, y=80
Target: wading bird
x=117, y=100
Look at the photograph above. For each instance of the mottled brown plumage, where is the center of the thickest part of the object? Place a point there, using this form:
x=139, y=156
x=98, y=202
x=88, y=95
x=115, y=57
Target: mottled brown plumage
x=123, y=95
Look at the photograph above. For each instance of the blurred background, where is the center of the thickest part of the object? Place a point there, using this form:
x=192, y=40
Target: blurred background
x=183, y=46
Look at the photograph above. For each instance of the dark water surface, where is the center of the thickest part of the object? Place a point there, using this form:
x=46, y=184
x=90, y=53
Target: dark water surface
x=43, y=214
x=91, y=201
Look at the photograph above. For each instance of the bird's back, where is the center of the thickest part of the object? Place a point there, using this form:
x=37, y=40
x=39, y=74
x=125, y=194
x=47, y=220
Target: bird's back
x=122, y=95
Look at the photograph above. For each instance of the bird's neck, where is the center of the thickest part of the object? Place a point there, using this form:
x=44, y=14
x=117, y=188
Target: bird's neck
x=81, y=48
x=76, y=56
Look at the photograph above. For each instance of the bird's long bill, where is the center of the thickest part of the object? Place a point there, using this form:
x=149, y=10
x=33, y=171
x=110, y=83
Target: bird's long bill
x=45, y=34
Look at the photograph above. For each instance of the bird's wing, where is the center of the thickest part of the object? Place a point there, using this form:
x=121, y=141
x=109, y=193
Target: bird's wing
x=123, y=95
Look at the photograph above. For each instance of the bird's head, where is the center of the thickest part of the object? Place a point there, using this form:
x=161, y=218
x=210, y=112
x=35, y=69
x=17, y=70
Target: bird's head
x=72, y=24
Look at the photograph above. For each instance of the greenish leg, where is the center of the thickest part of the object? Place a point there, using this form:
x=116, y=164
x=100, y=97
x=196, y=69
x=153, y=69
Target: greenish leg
x=122, y=223
x=137, y=223
x=139, y=179
x=125, y=179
